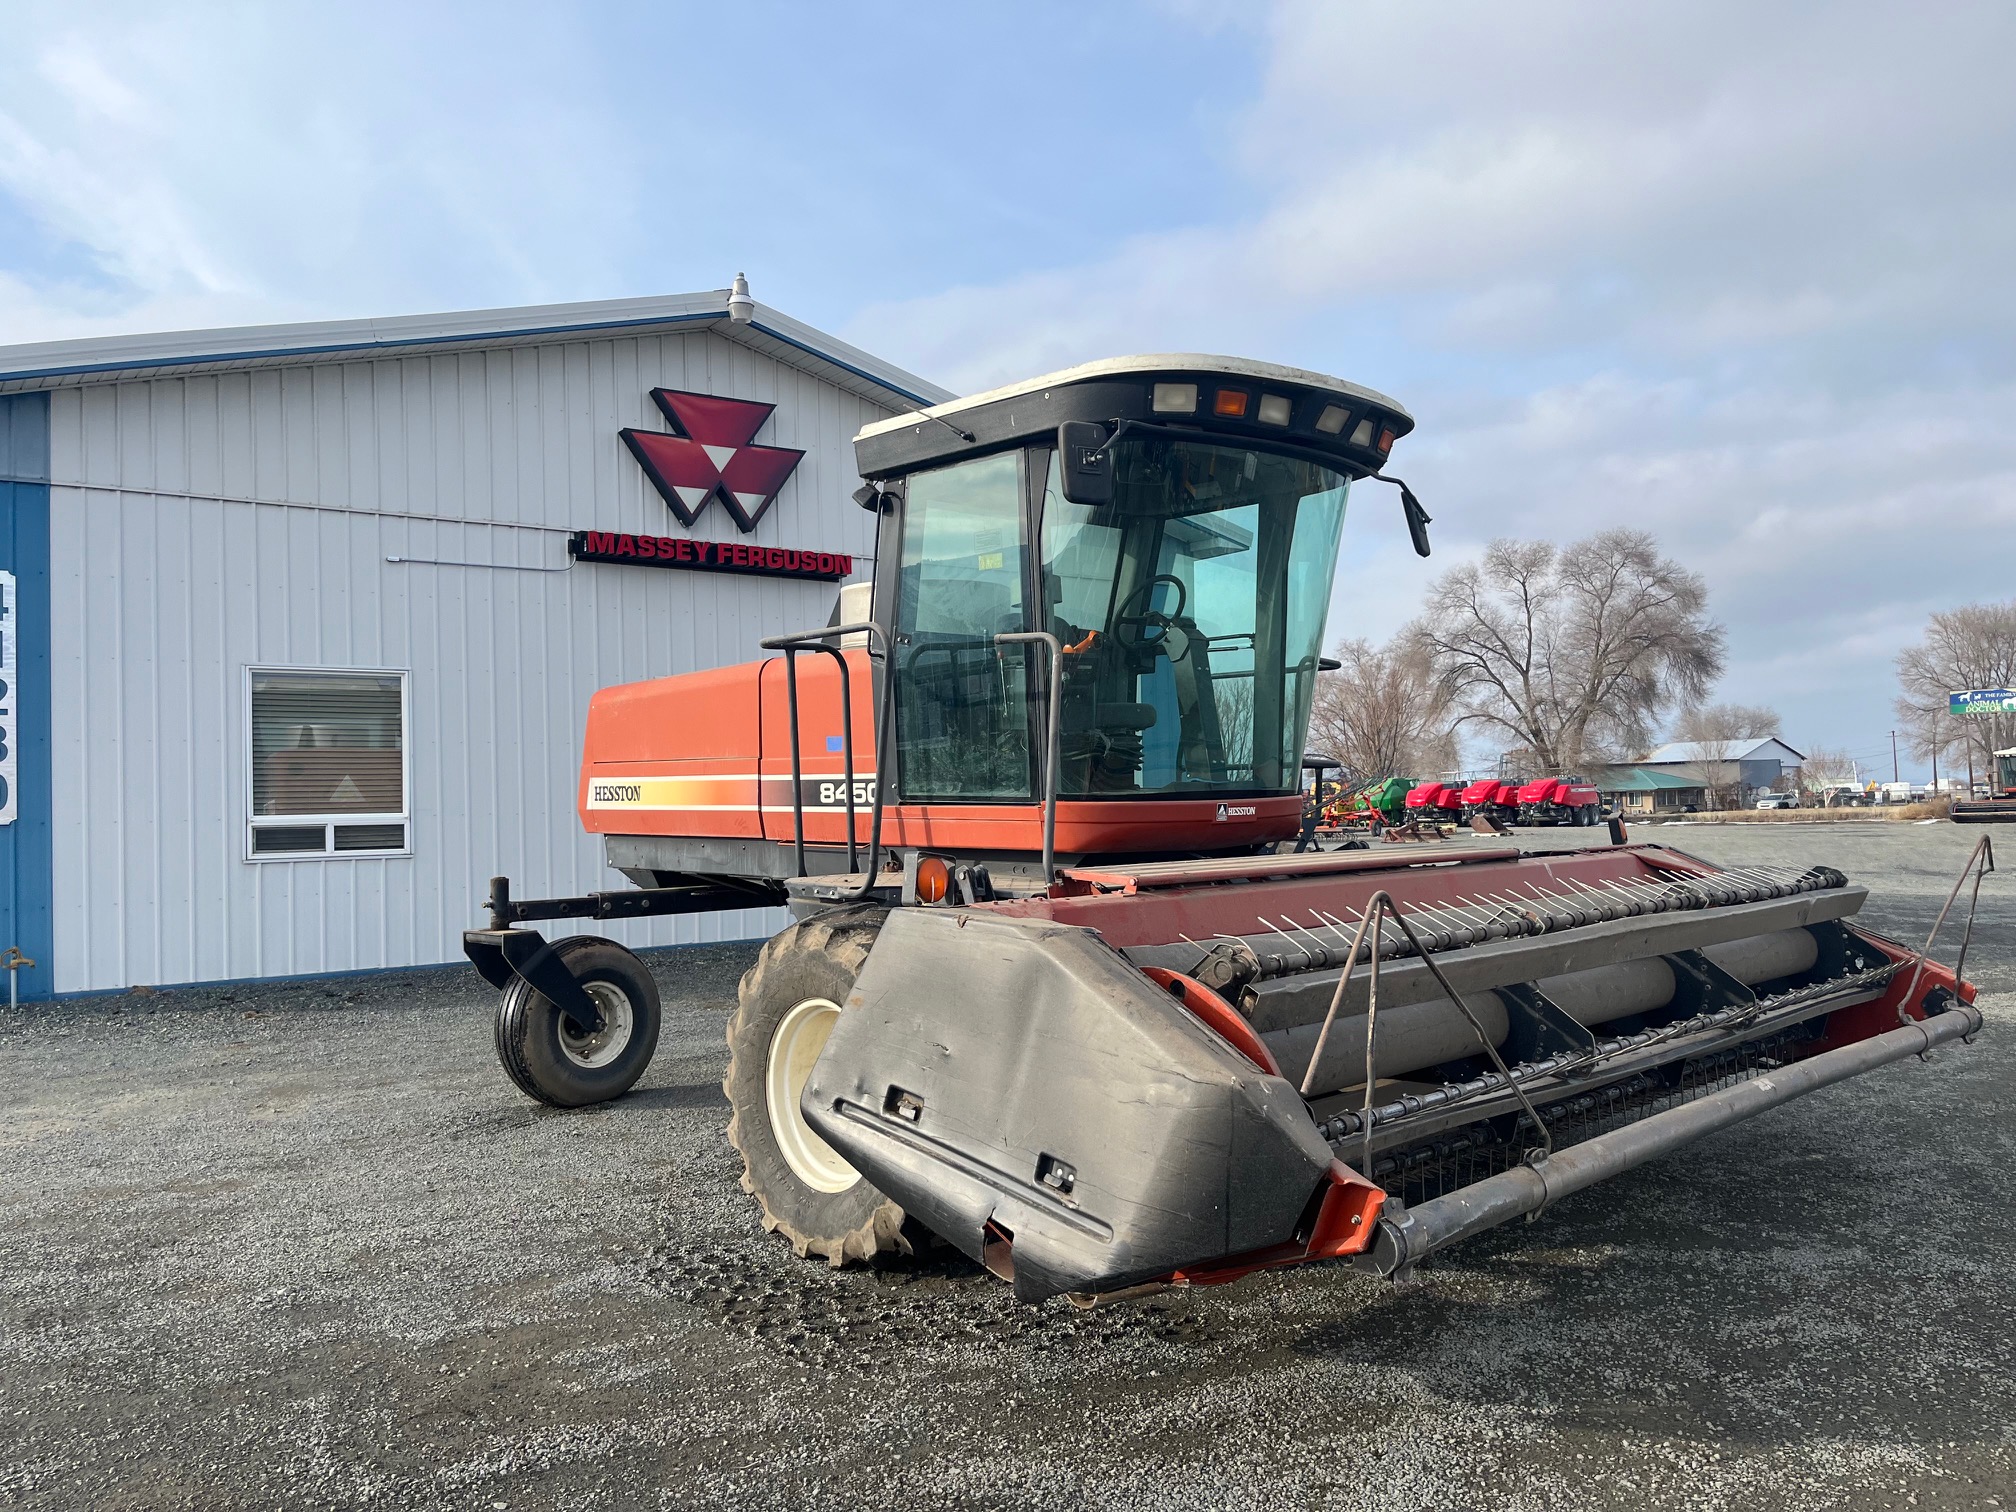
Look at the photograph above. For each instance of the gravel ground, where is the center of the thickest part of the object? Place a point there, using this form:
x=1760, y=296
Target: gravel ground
x=302, y=1245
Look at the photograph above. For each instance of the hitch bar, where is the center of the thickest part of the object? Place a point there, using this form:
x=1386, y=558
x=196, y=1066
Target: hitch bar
x=698, y=896
x=501, y=953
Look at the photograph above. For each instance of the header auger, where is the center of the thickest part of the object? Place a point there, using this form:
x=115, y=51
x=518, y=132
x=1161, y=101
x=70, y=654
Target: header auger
x=1056, y=991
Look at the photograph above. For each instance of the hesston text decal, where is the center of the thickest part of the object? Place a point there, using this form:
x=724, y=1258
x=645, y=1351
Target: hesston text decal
x=708, y=556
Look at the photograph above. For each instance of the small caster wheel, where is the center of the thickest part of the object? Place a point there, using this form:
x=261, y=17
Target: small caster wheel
x=552, y=1061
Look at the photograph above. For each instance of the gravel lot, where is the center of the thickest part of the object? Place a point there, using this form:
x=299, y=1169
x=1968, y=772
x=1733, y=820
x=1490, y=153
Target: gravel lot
x=303, y=1245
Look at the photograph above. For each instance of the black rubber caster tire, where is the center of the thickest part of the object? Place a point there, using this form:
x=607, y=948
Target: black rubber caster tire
x=544, y=1056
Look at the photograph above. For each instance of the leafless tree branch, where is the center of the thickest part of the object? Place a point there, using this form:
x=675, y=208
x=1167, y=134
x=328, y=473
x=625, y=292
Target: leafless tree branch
x=1571, y=653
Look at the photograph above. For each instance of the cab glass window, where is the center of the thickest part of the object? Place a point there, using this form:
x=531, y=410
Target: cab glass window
x=1191, y=611
x=962, y=712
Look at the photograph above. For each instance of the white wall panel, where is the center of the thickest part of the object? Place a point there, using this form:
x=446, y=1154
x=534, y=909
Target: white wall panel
x=203, y=524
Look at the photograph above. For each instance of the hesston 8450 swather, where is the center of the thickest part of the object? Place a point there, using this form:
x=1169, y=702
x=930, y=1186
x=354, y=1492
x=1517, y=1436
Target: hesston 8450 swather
x=1052, y=992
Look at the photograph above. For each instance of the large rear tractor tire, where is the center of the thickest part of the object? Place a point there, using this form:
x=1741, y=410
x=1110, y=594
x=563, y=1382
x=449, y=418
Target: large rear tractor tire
x=549, y=1060
x=790, y=1000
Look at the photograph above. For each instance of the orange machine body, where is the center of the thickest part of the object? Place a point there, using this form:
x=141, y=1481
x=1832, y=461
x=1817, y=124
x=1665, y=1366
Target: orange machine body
x=709, y=754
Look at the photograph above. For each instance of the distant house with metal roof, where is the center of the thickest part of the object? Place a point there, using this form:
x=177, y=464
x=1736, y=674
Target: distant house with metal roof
x=1749, y=748
x=1648, y=790
x=1739, y=768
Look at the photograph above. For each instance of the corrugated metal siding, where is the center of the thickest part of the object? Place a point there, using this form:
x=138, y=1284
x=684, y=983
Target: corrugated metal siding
x=24, y=439
x=204, y=524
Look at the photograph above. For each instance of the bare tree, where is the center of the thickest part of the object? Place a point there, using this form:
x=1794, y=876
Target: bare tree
x=1575, y=653
x=1721, y=733
x=1967, y=648
x=1741, y=723
x=1828, y=778
x=1235, y=723
x=1382, y=713
x=1934, y=735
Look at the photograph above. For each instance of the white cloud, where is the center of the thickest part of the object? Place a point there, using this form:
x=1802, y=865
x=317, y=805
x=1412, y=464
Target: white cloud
x=1736, y=273
x=263, y=163
x=1733, y=274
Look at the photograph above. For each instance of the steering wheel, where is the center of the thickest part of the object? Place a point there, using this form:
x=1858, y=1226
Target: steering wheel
x=1126, y=614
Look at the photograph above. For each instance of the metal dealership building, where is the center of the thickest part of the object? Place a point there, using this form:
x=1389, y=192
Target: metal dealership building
x=299, y=624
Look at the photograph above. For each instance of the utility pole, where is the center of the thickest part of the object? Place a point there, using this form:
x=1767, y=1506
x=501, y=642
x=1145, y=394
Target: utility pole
x=1894, y=776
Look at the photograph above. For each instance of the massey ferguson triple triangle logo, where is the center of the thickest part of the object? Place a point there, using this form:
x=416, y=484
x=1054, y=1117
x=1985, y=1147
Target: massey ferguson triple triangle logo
x=710, y=453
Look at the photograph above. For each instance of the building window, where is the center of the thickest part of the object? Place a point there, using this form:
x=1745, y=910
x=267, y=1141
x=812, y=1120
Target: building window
x=328, y=759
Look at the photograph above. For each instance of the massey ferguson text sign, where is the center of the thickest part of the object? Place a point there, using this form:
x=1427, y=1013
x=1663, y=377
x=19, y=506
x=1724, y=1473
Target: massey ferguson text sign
x=708, y=556
x=711, y=454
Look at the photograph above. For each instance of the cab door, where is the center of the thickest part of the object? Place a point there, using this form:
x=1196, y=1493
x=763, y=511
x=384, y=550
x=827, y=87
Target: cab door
x=964, y=719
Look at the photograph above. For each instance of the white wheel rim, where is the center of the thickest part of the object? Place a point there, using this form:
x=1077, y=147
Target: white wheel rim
x=793, y=1048
x=596, y=1050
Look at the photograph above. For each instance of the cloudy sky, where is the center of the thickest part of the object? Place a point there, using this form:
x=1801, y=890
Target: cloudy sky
x=1740, y=275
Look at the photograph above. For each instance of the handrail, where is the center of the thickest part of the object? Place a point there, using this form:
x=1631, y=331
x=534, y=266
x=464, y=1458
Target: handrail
x=1053, y=744
x=846, y=738
x=817, y=640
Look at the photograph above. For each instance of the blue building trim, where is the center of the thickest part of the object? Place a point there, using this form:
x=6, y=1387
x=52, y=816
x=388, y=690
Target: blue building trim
x=27, y=846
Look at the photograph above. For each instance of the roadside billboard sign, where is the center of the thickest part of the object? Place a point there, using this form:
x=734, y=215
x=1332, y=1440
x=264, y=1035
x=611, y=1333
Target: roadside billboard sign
x=1981, y=701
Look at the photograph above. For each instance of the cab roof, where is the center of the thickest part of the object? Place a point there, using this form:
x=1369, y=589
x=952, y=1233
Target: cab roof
x=1143, y=366
x=1190, y=395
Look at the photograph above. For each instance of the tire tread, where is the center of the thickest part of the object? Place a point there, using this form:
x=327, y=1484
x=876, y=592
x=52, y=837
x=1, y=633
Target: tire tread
x=844, y=937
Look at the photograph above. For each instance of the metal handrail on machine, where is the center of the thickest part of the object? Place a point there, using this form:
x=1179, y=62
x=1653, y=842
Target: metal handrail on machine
x=816, y=640
x=1053, y=743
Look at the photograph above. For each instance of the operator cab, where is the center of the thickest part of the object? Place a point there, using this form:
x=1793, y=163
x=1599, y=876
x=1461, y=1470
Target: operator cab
x=1173, y=523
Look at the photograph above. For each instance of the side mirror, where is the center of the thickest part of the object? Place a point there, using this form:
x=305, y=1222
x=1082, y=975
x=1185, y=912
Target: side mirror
x=1417, y=517
x=1417, y=520
x=1084, y=462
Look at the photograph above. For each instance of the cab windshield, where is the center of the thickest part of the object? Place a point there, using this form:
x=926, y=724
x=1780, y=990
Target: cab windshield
x=1190, y=610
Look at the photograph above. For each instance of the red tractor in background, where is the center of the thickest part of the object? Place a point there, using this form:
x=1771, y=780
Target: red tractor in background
x=1559, y=800
x=1489, y=798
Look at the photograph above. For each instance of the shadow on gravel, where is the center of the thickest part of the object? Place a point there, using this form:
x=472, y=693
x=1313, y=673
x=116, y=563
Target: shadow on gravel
x=706, y=1094
x=849, y=1321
